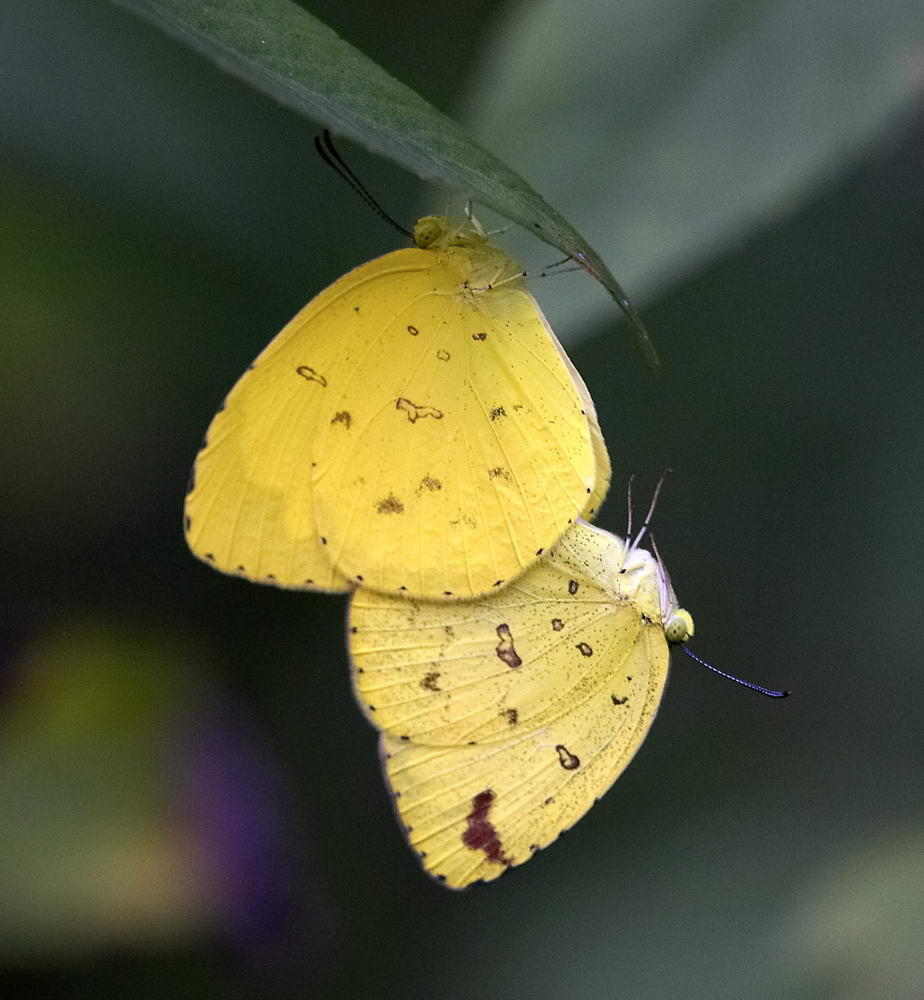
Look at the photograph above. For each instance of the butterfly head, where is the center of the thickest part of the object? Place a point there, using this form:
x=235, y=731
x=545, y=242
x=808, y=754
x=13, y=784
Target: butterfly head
x=679, y=626
x=433, y=232
x=485, y=266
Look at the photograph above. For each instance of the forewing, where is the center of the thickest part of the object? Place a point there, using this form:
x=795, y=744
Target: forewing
x=462, y=446
x=451, y=672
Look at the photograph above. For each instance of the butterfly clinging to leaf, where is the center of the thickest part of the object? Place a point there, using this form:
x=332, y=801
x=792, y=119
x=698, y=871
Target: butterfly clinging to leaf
x=503, y=719
x=416, y=428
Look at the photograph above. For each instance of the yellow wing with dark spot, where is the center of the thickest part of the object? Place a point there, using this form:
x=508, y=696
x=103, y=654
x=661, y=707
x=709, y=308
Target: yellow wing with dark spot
x=412, y=429
x=470, y=446
x=503, y=719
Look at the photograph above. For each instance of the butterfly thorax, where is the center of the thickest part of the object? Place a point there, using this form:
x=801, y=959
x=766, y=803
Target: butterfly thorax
x=483, y=264
x=635, y=575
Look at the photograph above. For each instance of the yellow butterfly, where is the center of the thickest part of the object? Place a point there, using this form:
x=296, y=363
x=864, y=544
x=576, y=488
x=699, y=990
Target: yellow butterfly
x=504, y=719
x=416, y=427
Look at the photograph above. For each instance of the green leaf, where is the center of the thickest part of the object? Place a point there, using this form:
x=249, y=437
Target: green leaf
x=282, y=50
x=680, y=128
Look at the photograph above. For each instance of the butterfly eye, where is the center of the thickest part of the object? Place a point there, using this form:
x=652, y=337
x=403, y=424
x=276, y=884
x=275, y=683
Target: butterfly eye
x=678, y=627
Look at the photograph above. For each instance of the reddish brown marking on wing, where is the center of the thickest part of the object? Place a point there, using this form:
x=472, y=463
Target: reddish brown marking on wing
x=480, y=834
x=343, y=417
x=568, y=760
x=511, y=715
x=412, y=330
x=479, y=336
x=504, y=649
x=498, y=411
x=572, y=587
x=443, y=355
x=498, y=472
x=557, y=624
x=585, y=649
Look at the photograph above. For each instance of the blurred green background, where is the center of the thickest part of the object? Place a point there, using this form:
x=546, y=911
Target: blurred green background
x=190, y=801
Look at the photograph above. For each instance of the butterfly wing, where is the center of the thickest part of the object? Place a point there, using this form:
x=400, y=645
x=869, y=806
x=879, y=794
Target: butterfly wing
x=465, y=443
x=404, y=431
x=504, y=719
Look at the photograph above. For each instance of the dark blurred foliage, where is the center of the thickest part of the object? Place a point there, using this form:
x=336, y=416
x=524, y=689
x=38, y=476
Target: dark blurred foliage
x=191, y=797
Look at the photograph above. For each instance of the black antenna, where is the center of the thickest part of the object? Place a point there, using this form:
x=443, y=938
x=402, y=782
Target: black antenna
x=325, y=147
x=754, y=687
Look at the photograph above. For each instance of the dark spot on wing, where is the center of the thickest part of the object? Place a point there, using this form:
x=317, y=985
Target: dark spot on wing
x=567, y=759
x=479, y=336
x=511, y=715
x=412, y=330
x=619, y=701
x=429, y=484
x=504, y=649
x=354, y=629
x=187, y=521
x=405, y=738
x=585, y=649
x=557, y=624
x=480, y=834
x=443, y=355
x=572, y=587
x=646, y=619
x=449, y=631
x=210, y=557
x=311, y=375
x=343, y=417
x=415, y=412
x=191, y=482
x=390, y=505
x=498, y=411
x=498, y=472
x=429, y=681
x=497, y=583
